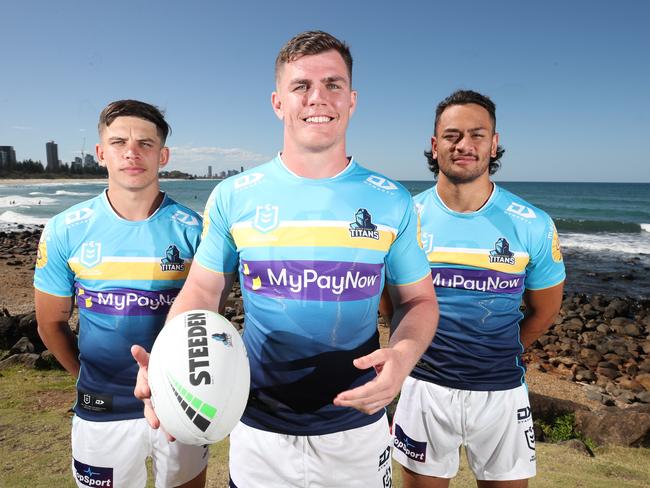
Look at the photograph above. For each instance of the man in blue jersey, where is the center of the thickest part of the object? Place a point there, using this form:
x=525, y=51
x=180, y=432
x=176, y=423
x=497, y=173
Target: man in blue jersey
x=487, y=249
x=111, y=255
x=314, y=237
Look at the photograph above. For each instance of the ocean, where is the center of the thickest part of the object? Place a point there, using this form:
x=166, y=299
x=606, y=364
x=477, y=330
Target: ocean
x=604, y=228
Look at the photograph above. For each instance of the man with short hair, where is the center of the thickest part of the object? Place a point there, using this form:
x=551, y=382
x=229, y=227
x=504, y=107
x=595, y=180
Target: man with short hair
x=314, y=237
x=487, y=248
x=123, y=257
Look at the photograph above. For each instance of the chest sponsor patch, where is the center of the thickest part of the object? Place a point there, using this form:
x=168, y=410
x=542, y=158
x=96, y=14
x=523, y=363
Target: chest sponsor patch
x=125, y=301
x=485, y=280
x=326, y=281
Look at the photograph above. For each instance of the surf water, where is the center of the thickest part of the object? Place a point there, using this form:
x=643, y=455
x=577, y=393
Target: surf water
x=604, y=227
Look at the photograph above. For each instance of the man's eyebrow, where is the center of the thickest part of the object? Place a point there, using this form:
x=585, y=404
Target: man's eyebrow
x=299, y=81
x=330, y=79
x=473, y=129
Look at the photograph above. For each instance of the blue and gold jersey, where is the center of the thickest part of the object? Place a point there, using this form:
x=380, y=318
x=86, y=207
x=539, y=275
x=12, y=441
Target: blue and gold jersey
x=481, y=263
x=312, y=257
x=123, y=275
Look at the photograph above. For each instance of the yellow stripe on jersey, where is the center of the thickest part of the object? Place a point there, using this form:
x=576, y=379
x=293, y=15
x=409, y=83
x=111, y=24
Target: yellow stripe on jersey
x=305, y=236
x=129, y=270
x=479, y=260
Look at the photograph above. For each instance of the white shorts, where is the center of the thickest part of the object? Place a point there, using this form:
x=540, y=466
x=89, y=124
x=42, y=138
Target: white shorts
x=351, y=458
x=496, y=427
x=113, y=454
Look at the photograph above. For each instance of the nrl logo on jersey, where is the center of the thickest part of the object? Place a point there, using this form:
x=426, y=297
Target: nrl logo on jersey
x=363, y=226
x=91, y=254
x=266, y=217
x=381, y=183
x=78, y=215
x=521, y=211
x=247, y=180
x=427, y=242
x=185, y=218
x=501, y=252
x=172, y=260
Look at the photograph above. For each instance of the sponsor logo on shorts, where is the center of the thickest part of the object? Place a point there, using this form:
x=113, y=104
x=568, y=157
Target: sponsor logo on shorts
x=172, y=260
x=478, y=280
x=415, y=450
x=384, y=464
x=523, y=414
x=381, y=183
x=126, y=301
x=94, y=402
x=501, y=252
x=363, y=226
x=325, y=281
x=93, y=476
x=530, y=437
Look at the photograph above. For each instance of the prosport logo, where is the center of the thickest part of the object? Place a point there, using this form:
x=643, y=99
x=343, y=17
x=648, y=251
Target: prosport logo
x=363, y=226
x=172, y=260
x=501, y=252
x=313, y=280
x=93, y=476
x=415, y=450
x=381, y=183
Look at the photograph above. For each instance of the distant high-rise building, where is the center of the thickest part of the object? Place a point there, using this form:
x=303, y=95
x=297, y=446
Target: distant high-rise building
x=76, y=164
x=89, y=161
x=52, y=151
x=242, y=169
x=209, y=171
x=7, y=156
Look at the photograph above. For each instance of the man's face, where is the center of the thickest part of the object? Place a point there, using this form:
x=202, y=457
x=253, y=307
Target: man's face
x=132, y=152
x=315, y=101
x=464, y=142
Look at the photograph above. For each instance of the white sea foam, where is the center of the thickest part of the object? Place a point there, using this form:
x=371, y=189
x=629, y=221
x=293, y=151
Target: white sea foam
x=645, y=227
x=36, y=193
x=617, y=243
x=19, y=200
x=10, y=217
x=72, y=193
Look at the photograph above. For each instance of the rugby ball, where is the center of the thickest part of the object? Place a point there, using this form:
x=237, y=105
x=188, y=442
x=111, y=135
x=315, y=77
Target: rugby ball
x=199, y=377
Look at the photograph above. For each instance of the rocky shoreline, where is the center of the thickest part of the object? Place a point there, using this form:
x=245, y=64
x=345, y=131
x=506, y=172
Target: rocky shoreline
x=599, y=342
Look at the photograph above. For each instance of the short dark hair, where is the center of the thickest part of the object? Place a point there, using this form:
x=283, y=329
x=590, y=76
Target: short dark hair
x=135, y=108
x=463, y=97
x=312, y=42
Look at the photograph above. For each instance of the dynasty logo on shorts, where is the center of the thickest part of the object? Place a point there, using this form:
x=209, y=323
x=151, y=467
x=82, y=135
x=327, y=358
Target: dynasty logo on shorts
x=415, y=450
x=93, y=475
x=523, y=414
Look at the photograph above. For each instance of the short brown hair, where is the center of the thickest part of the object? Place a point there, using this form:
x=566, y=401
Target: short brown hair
x=135, y=108
x=312, y=42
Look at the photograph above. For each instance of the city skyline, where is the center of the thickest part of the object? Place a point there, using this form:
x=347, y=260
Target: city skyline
x=567, y=78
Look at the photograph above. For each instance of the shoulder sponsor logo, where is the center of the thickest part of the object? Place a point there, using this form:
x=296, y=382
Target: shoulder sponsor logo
x=172, y=260
x=521, y=211
x=78, y=215
x=185, y=218
x=41, y=253
x=91, y=254
x=501, y=252
x=247, y=180
x=93, y=476
x=363, y=226
x=381, y=183
x=556, y=251
x=415, y=450
x=266, y=217
x=427, y=242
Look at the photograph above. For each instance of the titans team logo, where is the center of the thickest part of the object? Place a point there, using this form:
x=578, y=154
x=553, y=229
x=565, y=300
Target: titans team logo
x=91, y=254
x=172, y=260
x=427, y=242
x=501, y=252
x=266, y=217
x=363, y=226
x=223, y=337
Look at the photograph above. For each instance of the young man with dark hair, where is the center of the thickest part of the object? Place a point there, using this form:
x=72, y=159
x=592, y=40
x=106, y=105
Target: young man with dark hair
x=487, y=248
x=109, y=254
x=314, y=237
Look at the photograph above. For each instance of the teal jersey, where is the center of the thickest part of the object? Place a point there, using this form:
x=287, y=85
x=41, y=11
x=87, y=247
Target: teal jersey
x=123, y=275
x=481, y=264
x=312, y=257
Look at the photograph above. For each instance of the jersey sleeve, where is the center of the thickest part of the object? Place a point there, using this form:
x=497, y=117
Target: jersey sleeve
x=217, y=251
x=546, y=267
x=52, y=274
x=406, y=262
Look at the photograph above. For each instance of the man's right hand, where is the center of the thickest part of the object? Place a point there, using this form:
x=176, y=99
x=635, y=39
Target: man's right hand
x=142, y=390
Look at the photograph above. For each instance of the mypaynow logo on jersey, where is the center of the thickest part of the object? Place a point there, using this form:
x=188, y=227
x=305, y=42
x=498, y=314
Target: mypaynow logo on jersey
x=477, y=280
x=125, y=301
x=327, y=281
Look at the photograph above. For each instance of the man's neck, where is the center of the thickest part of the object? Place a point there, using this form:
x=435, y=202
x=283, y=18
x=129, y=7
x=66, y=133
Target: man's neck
x=464, y=197
x=135, y=205
x=308, y=164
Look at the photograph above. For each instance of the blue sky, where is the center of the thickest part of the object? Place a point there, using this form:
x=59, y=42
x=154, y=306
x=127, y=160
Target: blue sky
x=571, y=79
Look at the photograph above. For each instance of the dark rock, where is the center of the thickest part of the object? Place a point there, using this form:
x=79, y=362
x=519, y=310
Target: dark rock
x=644, y=380
x=22, y=346
x=26, y=359
x=632, y=330
x=643, y=397
x=8, y=332
x=547, y=408
x=47, y=361
x=585, y=375
x=616, y=426
x=579, y=446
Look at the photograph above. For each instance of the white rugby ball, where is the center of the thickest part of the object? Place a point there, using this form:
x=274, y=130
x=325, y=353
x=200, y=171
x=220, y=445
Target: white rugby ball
x=199, y=377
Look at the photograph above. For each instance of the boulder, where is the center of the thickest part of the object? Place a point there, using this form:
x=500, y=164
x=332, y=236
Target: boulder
x=628, y=427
